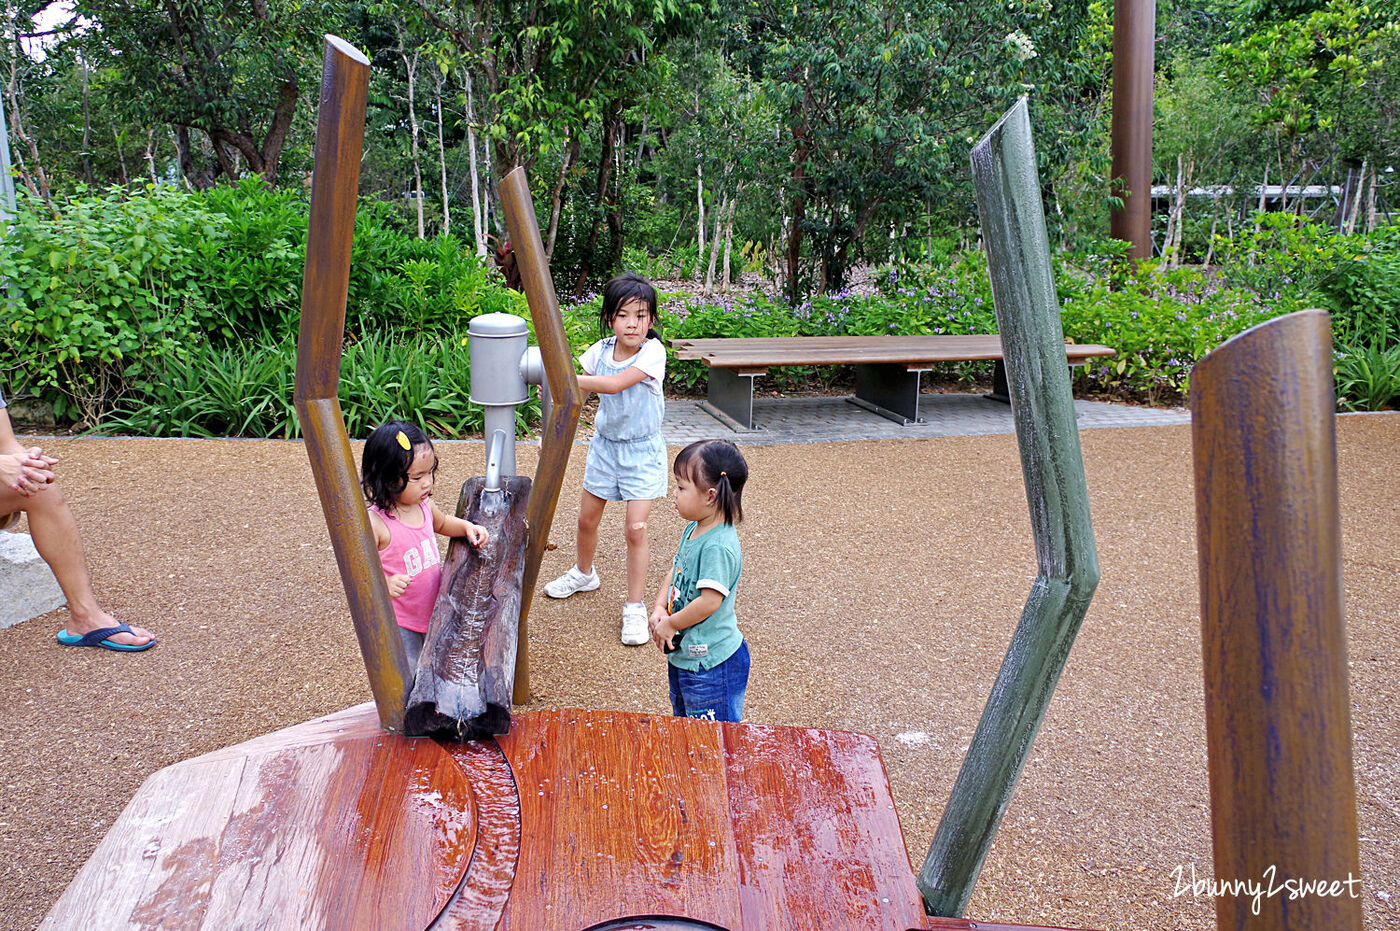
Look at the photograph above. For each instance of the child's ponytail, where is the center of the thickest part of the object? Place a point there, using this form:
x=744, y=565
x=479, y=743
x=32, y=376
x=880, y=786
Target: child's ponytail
x=717, y=464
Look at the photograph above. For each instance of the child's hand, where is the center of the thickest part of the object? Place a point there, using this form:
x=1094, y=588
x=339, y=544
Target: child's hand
x=398, y=584
x=661, y=629
x=476, y=535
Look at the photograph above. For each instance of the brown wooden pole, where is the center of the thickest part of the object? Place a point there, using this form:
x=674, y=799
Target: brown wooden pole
x=557, y=432
x=1278, y=727
x=334, y=187
x=1134, y=29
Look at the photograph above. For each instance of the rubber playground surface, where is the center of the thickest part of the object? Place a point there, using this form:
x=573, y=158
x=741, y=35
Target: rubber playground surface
x=882, y=580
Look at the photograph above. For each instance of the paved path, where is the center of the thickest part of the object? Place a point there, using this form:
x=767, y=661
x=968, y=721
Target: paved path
x=813, y=420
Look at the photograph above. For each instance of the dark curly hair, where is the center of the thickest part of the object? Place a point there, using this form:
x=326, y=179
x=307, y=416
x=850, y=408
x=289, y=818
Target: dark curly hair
x=384, y=464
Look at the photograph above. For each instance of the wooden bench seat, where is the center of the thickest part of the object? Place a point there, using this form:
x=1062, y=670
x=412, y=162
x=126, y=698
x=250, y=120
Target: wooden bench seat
x=887, y=367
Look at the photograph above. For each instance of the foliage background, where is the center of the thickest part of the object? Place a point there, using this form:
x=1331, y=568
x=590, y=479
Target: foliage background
x=163, y=151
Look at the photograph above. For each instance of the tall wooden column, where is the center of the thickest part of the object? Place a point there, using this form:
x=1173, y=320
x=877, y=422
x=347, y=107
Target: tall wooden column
x=1134, y=29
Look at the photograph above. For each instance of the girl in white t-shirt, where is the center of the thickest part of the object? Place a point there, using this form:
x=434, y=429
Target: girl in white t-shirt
x=627, y=455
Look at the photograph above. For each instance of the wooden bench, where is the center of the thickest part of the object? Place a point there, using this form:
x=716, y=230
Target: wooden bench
x=887, y=367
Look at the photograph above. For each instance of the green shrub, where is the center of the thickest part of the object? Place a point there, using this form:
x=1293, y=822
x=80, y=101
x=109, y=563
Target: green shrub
x=1161, y=321
x=247, y=390
x=1368, y=378
x=1364, y=294
x=103, y=291
x=436, y=285
x=254, y=277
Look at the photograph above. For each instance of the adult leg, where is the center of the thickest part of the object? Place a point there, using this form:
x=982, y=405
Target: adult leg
x=55, y=533
x=638, y=551
x=590, y=515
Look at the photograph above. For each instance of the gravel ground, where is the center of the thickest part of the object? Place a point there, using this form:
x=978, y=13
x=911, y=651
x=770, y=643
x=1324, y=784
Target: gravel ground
x=881, y=585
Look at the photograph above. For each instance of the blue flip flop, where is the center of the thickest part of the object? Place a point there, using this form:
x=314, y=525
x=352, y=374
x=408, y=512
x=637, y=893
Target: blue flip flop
x=101, y=638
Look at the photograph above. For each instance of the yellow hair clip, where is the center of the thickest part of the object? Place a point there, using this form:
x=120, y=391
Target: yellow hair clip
x=403, y=441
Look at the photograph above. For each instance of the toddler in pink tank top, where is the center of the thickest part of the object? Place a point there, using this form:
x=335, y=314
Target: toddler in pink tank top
x=397, y=472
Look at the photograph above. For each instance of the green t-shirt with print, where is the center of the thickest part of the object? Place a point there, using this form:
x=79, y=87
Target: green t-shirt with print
x=711, y=560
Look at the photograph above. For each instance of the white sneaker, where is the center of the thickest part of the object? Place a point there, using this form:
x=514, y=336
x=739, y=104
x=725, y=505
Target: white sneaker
x=636, y=626
x=570, y=582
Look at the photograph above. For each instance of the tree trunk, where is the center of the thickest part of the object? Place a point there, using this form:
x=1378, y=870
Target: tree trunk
x=35, y=180
x=700, y=218
x=1356, y=201
x=556, y=200
x=714, y=247
x=151, y=154
x=799, y=215
x=411, y=66
x=1371, y=201
x=282, y=117
x=478, y=202
x=438, y=79
x=87, y=128
x=492, y=199
x=729, y=237
x=1171, y=243
x=605, y=158
x=614, y=200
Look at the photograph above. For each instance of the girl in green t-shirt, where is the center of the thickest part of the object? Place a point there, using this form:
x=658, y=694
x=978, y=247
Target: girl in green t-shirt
x=693, y=620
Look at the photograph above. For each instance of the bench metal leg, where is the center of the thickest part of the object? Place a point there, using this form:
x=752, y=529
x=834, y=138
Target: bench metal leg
x=888, y=390
x=1001, y=391
x=731, y=398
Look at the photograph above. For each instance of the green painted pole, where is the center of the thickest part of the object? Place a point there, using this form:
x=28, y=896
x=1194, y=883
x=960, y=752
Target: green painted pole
x=1042, y=405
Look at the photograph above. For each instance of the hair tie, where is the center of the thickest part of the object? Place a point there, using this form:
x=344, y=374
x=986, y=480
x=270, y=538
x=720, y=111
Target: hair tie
x=723, y=474
x=403, y=441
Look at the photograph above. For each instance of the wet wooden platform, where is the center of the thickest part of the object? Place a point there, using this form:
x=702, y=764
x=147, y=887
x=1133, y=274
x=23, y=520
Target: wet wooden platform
x=573, y=819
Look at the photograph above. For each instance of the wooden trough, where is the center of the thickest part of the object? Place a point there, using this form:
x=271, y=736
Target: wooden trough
x=465, y=679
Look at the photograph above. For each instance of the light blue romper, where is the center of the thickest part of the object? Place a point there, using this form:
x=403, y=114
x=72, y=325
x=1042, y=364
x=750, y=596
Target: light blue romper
x=627, y=456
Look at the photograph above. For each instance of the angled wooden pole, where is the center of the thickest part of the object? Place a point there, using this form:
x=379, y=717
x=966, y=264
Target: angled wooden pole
x=339, y=135
x=1273, y=634
x=561, y=415
x=1042, y=404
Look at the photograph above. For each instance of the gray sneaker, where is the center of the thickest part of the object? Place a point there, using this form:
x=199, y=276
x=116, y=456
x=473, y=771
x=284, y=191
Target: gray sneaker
x=636, y=626
x=570, y=582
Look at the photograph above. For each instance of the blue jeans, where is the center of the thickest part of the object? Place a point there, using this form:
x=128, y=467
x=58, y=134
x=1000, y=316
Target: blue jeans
x=714, y=694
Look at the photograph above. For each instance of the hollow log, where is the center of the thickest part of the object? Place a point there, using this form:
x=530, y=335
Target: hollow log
x=465, y=677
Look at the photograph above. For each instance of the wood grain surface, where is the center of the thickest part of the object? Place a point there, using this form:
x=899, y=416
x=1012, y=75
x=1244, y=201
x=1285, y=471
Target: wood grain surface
x=364, y=830
x=463, y=685
x=1274, y=640
x=746, y=353
x=572, y=819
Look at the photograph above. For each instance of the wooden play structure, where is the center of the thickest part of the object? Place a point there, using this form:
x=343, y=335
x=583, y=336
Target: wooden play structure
x=588, y=819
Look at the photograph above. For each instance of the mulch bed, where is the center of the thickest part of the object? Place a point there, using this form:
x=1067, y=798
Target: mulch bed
x=881, y=584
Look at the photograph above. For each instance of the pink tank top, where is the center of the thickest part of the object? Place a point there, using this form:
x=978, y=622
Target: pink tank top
x=412, y=551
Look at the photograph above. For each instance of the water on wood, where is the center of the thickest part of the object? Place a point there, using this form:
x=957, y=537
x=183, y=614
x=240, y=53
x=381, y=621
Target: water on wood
x=462, y=686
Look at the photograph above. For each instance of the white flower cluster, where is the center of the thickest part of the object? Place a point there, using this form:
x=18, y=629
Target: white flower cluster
x=1019, y=46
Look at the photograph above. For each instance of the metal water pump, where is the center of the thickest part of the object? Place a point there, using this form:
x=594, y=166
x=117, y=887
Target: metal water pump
x=503, y=364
